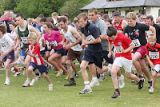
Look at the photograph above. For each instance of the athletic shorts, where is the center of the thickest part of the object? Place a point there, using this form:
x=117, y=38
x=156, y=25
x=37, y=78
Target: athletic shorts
x=61, y=51
x=93, y=57
x=123, y=62
x=72, y=55
x=10, y=56
x=23, y=53
x=142, y=50
x=157, y=68
x=105, y=56
x=41, y=68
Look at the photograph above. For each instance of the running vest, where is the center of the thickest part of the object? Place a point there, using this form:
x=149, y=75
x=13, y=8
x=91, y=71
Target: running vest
x=24, y=37
x=119, y=26
x=68, y=35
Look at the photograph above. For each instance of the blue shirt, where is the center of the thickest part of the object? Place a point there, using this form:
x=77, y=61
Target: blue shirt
x=91, y=29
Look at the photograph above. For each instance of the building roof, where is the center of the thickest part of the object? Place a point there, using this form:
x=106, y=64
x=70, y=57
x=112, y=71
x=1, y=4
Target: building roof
x=104, y=4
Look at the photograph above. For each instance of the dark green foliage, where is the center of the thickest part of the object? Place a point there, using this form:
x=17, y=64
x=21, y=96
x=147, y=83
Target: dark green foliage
x=32, y=8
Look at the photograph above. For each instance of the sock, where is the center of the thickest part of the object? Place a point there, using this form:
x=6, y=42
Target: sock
x=117, y=90
x=28, y=79
x=102, y=75
x=94, y=79
x=72, y=79
x=150, y=83
x=7, y=78
x=87, y=84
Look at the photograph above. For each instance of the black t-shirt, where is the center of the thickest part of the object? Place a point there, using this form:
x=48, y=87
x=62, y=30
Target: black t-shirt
x=137, y=32
x=91, y=29
x=157, y=27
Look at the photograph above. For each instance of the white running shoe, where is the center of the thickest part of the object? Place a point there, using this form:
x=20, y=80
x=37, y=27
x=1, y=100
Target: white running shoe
x=151, y=90
x=85, y=91
x=50, y=87
x=102, y=77
x=26, y=83
x=7, y=82
x=121, y=82
x=94, y=83
x=32, y=82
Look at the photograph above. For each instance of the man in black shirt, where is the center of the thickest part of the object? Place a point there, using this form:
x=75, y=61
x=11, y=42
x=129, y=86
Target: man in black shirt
x=150, y=22
x=91, y=43
x=136, y=32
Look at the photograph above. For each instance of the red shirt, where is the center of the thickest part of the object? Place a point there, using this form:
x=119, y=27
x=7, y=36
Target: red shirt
x=154, y=53
x=121, y=43
x=36, y=51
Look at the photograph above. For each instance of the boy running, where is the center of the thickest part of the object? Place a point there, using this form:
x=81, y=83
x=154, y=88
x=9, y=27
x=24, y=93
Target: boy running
x=37, y=60
x=123, y=46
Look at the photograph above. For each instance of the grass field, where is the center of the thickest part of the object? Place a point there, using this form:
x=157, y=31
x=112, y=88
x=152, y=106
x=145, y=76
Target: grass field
x=39, y=96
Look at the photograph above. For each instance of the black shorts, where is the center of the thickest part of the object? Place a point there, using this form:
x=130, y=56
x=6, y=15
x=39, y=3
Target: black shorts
x=93, y=57
x=41, y=68
x=105, y=56
x=62, y=52
x=42, y=53
x=10, y=56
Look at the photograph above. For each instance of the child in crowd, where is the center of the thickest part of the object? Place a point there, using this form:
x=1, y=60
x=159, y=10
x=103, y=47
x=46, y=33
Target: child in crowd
x=36, y=60
x=153, y=53
x=123, y=46
x=6, y=52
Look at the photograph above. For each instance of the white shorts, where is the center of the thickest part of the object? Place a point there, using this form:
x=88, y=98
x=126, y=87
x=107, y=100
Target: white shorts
x=123, y=62
x=157, y=68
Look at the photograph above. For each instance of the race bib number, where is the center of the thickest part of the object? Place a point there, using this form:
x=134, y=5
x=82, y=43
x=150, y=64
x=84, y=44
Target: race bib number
x=154, y=55
x=24, y=40
x=54, y=43
x=136, y=43
x=4, y=46
x=118, y=49
x=90, y=38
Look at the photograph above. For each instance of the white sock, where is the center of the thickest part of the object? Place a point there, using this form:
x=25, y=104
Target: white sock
x=102, y=74
x=94, y=79
x=87, y=84
x=7, y=78
x=28, y=79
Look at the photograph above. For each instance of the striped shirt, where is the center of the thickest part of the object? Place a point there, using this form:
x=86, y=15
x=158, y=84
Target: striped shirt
x=35, y=50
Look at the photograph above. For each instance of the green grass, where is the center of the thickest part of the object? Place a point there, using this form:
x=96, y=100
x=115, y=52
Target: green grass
x=39, y=96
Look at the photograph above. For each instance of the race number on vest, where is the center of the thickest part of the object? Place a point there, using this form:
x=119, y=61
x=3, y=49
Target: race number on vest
x=54, y=43
x=136, y=43
x=24, y=40
x=118, y=49
x=154, y=55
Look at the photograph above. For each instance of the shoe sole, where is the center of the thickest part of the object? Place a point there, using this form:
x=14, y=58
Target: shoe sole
x=86, y=93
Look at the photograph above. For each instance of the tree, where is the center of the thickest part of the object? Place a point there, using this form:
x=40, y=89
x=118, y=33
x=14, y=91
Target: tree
x=72, y=7
x=32, y=8
x=7, y=5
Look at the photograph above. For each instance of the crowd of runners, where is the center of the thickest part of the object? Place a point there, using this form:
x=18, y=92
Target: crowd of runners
x=93, y=41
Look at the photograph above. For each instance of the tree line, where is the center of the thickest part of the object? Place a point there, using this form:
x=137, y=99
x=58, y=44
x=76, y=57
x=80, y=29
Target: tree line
x=33, y=8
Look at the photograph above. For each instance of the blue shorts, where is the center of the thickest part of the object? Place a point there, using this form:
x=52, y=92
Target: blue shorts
x=10, y=55
x=23, y=53
x=42, y=68
x=93, y=57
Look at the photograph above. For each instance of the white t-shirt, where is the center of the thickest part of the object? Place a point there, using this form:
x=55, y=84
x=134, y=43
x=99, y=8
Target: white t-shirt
x=13, y=35
x=69, y=36
x=6, y=43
